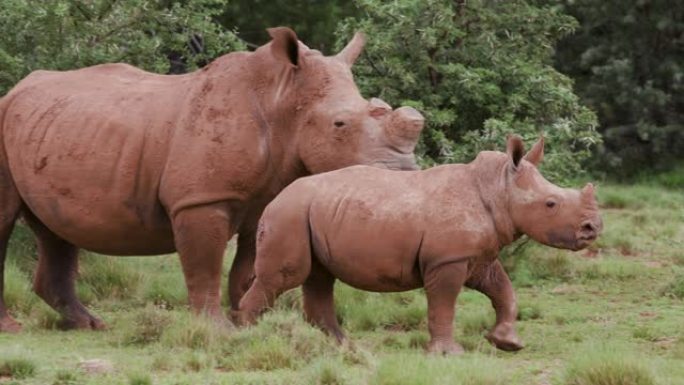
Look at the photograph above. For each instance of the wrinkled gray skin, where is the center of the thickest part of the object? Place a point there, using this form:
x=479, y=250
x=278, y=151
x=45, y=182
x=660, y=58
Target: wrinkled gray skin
x=440, y=229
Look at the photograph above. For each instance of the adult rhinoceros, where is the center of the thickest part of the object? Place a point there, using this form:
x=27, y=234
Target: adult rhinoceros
x=120, y=161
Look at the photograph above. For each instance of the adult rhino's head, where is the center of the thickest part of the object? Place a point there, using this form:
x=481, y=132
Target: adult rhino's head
x=555, y=216
x=332, y=124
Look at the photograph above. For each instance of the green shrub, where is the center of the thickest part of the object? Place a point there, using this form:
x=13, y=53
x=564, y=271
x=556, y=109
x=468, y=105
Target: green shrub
x=473, y=83
x=63, y=35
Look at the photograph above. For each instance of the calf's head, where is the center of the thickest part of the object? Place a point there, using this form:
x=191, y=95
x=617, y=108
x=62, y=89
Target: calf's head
x=555, y=216
x=335, y=126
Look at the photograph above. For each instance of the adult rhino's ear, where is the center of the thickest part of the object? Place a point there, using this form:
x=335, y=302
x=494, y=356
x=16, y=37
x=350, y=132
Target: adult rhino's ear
x=536, y=153
x=351, y=52
x=285, y=45
x=515, y=149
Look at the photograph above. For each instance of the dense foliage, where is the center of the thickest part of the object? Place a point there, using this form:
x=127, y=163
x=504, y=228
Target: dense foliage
x=628, y=63
x=478, y=70
x=63, y=34
x=314, y=21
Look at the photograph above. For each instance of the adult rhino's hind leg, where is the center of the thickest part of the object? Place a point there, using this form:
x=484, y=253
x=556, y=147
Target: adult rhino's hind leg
x=55, y=279
x=10, y=204
x=319, y=304
x=492, y=281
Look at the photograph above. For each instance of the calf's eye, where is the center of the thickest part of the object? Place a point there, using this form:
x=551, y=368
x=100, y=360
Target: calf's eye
x=339, y=123
x=550, y=204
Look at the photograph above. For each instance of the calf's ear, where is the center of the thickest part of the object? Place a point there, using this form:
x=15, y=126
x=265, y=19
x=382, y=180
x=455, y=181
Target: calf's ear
x=515, y=149
x=285, y=45
x=536, y=153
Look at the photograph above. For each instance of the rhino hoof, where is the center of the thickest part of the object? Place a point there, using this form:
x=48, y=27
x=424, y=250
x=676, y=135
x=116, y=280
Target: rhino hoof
x=505, y=338
x=87, y=322
x=240, y=318
x=447, y=348
x=9, y=325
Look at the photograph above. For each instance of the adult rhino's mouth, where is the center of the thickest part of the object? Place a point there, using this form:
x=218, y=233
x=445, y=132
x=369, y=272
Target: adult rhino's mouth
x=589, y=231
x=404, y=162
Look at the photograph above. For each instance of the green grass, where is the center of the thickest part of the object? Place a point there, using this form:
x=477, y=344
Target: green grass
x=17, y=368
x=610, y=315
x=606, y=365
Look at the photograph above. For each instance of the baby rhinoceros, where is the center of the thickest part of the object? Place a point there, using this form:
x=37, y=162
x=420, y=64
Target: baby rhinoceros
x=389, y=231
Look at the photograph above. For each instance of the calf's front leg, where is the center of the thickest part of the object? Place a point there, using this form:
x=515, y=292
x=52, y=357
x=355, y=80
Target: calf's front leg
x=492, y=281
x=442, y=285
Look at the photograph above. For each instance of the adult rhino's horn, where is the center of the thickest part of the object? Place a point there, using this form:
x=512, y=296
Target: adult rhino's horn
x=351, y=52
x=404, y=127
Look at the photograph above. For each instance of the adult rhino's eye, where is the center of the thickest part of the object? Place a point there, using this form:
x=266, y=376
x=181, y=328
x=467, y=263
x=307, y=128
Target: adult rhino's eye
x=550, y=204
x=339, y=123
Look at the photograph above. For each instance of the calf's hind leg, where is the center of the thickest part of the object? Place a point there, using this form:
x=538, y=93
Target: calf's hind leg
x=319, y=303
x=283, y=262
x=55, y=280
x=492, y=281
x=9, y=209
x=442, y=285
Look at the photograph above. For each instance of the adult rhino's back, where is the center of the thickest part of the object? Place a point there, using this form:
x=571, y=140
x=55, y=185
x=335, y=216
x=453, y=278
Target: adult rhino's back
x=86, y=151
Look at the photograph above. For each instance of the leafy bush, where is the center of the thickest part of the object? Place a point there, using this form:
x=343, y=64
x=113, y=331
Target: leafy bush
x=626, y=61
x=66, y=34
x=478, y=70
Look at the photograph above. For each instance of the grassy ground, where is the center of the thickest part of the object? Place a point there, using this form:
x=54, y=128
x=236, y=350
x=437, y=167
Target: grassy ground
x=610, y=315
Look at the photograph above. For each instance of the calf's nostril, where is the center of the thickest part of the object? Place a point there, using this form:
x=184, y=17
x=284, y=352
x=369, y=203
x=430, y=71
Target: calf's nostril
x=589, y=227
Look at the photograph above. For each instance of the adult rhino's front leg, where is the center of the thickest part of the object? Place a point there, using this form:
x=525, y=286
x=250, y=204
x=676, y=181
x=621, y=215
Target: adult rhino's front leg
x=201, y=235
x=492, y=281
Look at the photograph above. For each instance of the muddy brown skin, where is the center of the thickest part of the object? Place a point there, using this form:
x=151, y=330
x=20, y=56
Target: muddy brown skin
x=120, y=161
x=440, y=229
